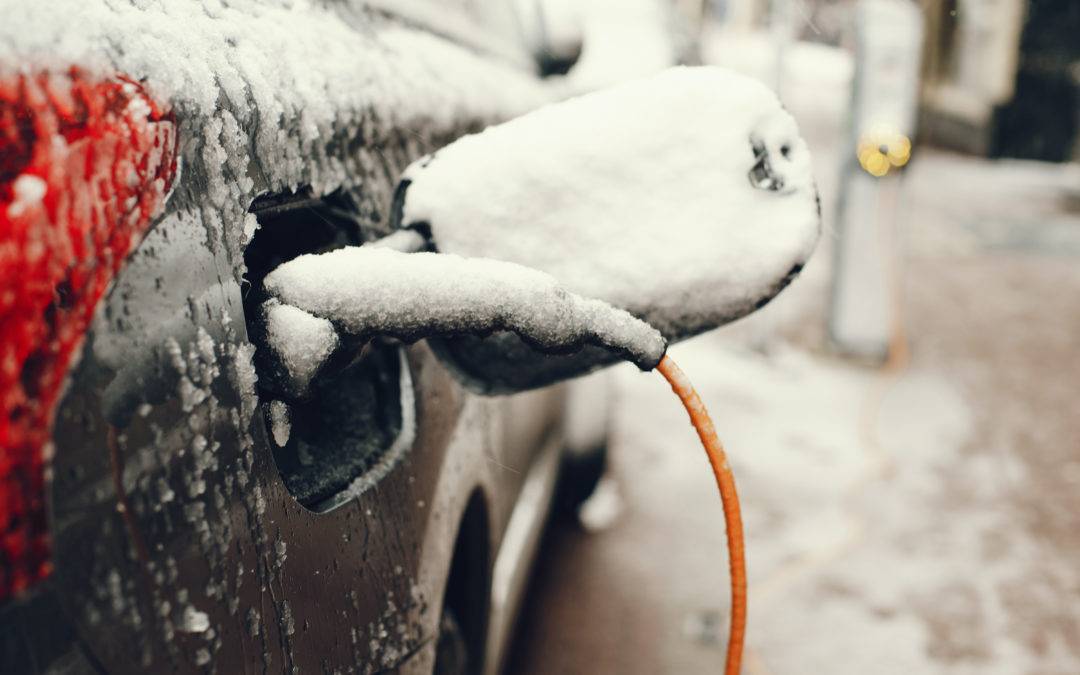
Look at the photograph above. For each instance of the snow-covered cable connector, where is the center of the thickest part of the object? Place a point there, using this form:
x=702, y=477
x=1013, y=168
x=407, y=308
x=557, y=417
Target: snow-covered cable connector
x=684, y=200
x=368, y=291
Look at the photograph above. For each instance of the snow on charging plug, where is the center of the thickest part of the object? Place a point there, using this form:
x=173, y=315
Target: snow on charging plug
x=686, y=198
x=624, y=218
x=373, y=291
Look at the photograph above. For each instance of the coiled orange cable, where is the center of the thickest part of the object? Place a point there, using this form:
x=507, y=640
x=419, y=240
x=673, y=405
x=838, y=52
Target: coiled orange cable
x=725, y=480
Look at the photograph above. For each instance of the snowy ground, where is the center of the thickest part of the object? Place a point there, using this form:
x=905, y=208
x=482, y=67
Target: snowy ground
x=918, y=520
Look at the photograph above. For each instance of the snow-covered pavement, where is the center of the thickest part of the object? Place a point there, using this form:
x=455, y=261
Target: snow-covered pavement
x=921, y=518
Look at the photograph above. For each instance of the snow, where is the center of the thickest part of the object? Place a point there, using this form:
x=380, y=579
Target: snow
x=260, y=88
x=561, y=32
x=405, y=241
x=245, y=376
x=280, y=424
x=193, y=621
x=369, y=291
x=303, y=342
x=638, y=195
x=834, y=489
x=251, y=226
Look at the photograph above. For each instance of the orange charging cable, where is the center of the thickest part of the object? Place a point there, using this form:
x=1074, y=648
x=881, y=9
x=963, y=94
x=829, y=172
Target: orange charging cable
x=725, y=480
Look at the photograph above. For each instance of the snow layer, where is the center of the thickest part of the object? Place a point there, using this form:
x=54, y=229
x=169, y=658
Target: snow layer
x=272, y=95
x=638, y=195
x=369, y=291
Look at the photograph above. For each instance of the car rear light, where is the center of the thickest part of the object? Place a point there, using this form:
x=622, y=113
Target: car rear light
x=85, y=165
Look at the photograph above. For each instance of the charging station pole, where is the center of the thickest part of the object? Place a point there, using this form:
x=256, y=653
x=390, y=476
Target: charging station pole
x=884, y=105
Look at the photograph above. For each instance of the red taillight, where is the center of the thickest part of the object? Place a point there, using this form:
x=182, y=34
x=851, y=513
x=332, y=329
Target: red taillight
x=85, y=164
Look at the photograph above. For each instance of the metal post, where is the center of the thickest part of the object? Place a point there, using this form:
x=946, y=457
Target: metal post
x=884, y=100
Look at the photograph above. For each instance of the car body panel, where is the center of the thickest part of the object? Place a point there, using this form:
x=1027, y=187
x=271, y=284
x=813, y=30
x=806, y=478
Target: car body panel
x=177, y=546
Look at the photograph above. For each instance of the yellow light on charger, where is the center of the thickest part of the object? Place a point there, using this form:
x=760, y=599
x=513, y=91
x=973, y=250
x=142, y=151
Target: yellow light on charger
x=881, y=150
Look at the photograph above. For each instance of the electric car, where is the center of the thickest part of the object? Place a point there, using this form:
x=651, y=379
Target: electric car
x=169, y=508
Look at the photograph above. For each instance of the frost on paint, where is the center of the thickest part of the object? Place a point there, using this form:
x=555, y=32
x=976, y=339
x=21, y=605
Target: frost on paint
x=369, y=291
x=273, y=95
x=685, y=198
x=268, y=96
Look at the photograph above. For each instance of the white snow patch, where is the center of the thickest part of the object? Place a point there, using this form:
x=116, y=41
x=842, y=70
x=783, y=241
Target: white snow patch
x=251, y=226
x=302, y=341
x=246, y=377
x=638, y=195
x=280, y=422
x=372, y=291
x=193, y=621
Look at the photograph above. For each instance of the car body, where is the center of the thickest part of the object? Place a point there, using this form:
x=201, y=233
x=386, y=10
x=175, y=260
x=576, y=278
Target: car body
x=191, y=526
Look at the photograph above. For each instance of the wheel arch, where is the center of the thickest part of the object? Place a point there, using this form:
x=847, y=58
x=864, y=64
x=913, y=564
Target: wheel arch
x=468, y=584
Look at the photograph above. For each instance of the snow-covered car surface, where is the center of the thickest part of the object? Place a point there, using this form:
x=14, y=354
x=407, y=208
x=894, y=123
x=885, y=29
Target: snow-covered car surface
x=176, y=542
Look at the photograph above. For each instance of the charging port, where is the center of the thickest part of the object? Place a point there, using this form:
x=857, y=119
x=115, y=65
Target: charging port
x=346, y=432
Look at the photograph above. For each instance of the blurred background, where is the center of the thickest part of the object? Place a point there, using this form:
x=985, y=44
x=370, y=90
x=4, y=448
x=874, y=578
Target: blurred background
x=903, y=420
